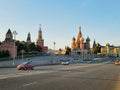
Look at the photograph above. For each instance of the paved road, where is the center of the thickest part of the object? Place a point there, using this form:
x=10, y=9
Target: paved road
x=60, y=77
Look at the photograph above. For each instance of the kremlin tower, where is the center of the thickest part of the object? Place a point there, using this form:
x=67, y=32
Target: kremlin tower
x=28, y=41
x=8, y=44
x=40, y=41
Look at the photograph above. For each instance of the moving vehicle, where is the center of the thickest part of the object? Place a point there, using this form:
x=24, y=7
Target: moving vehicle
x=117, y=62
x=25, y=66
x=64, y=62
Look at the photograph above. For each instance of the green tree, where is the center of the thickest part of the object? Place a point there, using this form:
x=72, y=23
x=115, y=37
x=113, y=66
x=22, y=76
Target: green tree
x=38, y=48
x=97, y=48
x=21, y=46
x=0, y=53
x=60, y=49
x=68, y=50
x=7, y=53
x=31, y=47
x=0, y=43
x=4, y=53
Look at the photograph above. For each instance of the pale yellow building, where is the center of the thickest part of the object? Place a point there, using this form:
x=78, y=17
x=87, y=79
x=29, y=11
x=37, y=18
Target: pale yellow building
x=110, y=50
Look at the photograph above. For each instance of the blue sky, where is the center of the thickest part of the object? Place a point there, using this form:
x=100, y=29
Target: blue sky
x=60, y=19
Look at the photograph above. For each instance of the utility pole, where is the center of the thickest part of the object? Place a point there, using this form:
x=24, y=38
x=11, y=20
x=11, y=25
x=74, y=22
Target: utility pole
x=54, y=46
x=14, y=33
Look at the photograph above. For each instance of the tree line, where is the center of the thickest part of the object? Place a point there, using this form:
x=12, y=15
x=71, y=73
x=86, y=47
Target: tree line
x=23, y=47
x=4, y=53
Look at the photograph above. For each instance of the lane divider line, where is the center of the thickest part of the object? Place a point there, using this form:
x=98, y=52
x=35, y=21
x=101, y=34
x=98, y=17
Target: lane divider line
x=29, y=84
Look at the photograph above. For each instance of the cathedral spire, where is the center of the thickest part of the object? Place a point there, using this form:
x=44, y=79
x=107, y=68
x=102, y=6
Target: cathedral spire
x=79, y=37
x=79, y=33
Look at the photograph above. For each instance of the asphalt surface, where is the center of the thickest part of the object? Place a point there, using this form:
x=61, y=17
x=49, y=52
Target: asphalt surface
x=61, y=77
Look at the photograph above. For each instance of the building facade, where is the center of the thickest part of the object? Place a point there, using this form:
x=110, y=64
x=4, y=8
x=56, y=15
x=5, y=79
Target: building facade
x=110, y=50
x=40, y=41
x=107, y=50
x=79, y=46
x=8, y=44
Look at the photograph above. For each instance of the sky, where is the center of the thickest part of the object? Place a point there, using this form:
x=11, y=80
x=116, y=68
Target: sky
x=60, y=20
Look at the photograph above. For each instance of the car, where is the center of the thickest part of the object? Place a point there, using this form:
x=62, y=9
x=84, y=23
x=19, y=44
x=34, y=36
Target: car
x=25, y=66
x=117, y=62
x=65, y=62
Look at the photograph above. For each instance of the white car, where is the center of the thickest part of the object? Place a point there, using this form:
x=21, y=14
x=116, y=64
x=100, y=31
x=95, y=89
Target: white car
x=65, y=62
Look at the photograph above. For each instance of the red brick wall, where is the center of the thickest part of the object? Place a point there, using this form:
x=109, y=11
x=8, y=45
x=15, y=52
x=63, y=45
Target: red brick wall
x=10, y=47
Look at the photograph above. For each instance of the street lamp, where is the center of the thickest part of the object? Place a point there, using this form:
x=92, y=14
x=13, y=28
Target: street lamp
x=54, y=47
x=83, y=51
x=14, y=33
x=23, y=51
x=54, y=50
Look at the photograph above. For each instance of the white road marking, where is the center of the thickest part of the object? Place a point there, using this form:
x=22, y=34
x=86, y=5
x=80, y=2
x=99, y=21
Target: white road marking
x=23, y=74
x=29, y=84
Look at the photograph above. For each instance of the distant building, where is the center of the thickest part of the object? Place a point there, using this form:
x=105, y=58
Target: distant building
x=110, y=50
x=40, y=41
x=28, y=41
x=8, y=44
x=107, y=50
x=79, y=46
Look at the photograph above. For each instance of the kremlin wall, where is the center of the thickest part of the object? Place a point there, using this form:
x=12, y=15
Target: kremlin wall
x=8, y=43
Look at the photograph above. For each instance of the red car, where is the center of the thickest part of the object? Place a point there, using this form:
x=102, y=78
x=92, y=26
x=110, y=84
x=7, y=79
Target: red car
x=25, y=66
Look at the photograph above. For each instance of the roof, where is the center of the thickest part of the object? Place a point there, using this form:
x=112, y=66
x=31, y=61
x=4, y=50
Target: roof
x=9, y=31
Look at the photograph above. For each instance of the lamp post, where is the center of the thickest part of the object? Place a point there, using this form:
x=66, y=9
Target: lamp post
x=83, y=51
x=54, y=50
x=22, y=54
x=14, y=33
x=54, y=47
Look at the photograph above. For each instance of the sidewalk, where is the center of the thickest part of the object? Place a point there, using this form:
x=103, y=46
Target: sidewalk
x=42, y=60
x=37, y=61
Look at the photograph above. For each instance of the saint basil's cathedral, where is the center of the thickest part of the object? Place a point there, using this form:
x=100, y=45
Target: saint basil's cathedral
x=79, y=46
